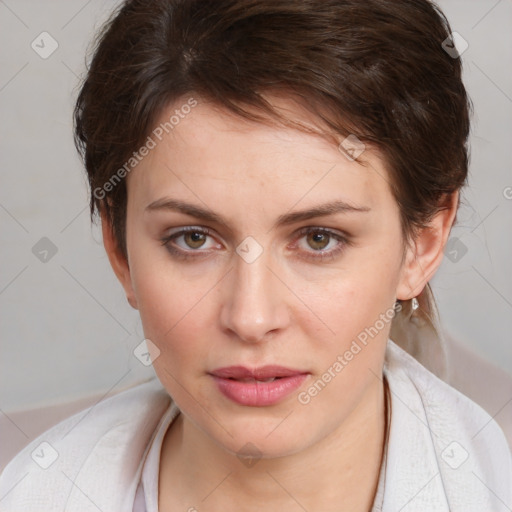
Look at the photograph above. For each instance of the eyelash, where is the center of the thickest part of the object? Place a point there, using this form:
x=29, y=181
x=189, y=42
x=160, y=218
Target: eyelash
x=315, y=255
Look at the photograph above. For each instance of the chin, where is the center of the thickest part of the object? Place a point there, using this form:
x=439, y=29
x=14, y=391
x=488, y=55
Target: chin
x=266, y=439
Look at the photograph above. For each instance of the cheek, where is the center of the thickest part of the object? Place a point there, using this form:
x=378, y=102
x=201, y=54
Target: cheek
x=167, y=303
x=175, y=309
x=352, y=299
x=357, y=307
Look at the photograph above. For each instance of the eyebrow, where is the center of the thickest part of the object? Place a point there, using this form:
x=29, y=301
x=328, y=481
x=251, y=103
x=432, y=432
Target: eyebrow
x=321, y=210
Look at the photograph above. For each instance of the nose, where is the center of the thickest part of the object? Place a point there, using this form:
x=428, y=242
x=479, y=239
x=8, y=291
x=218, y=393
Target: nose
x=254, y=301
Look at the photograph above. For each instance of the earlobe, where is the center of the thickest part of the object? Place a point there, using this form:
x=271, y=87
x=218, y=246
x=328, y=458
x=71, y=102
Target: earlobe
x=117, y=260
x=425, y=253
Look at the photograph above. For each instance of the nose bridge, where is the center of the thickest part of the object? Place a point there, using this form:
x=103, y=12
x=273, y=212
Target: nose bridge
x=254, y=303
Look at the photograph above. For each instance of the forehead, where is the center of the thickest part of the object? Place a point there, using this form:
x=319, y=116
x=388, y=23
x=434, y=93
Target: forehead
x=206, y=150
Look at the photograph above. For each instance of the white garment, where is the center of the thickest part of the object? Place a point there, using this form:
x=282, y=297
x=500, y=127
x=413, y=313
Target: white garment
x=444, y=454
x=146, y=497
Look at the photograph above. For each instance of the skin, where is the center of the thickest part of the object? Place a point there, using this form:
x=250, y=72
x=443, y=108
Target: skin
x=286, y=307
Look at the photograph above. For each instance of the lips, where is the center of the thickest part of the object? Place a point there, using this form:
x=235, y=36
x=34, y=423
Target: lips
x=261, y=374
x=258, y=387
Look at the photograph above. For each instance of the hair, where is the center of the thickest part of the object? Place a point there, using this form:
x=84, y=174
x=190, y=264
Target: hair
x=374, y=69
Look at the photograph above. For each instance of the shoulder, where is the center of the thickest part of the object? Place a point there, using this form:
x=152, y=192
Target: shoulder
x=453, y=439
x=86, y=456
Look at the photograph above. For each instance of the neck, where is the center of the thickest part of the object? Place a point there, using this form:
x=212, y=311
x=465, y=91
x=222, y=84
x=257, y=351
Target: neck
x=338, y=473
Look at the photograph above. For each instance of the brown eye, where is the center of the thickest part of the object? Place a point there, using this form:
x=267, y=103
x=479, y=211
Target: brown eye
x=190, y=242
x=194, y=239
x=318, y=240
x=320, y=244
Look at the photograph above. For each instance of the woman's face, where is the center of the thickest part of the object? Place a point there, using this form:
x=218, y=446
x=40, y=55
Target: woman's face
x=292, y=257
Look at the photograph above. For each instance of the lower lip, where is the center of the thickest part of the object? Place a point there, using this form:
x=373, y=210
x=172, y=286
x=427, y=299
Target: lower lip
x=257, y=393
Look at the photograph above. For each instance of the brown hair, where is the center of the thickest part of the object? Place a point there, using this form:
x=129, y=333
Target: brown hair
x=373, y=68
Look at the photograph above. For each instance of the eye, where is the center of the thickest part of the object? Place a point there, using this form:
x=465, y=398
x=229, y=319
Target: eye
x=323, y=242
x=188, y=240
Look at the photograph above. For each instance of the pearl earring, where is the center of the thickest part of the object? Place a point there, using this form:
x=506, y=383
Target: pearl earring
x=415, y=304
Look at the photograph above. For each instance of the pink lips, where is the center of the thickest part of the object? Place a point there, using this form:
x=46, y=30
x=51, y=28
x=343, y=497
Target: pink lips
x=259, y=387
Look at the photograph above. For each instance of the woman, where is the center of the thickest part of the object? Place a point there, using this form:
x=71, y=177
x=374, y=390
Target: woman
x=277, y=180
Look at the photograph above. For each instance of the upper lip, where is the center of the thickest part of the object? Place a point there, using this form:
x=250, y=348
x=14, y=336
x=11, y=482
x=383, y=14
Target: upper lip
x=264, y=372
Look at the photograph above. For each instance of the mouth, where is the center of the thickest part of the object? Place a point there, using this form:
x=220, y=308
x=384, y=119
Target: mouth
x=271, y=379
x=257, y=387
x=264, y=373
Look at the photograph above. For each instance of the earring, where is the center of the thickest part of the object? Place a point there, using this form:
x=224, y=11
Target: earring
x=415, y=304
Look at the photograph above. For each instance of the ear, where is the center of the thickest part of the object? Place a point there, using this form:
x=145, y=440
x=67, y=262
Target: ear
x=117, y=260
x=425, y=253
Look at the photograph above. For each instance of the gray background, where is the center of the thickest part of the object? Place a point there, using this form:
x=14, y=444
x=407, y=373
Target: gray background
x=66, y=328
